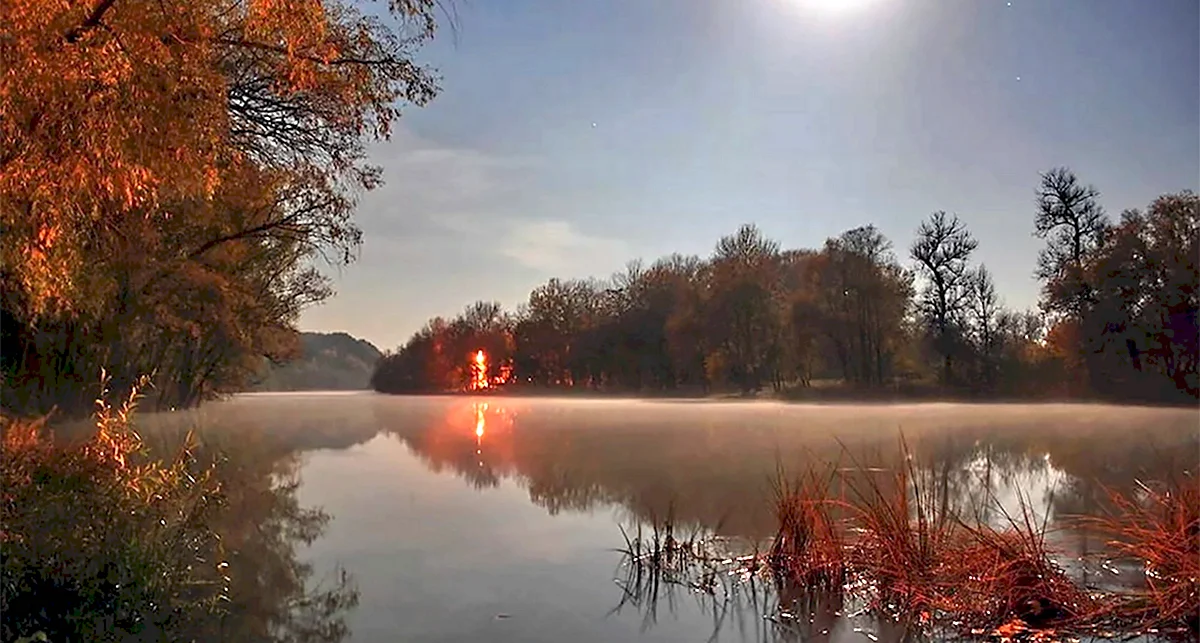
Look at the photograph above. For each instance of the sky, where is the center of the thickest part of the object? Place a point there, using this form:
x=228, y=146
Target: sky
x=572, y=137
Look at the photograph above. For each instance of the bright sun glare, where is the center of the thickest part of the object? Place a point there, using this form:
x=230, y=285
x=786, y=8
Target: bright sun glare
x=834, y=7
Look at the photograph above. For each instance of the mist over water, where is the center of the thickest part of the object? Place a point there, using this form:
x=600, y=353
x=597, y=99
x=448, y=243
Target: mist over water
x=497, y=518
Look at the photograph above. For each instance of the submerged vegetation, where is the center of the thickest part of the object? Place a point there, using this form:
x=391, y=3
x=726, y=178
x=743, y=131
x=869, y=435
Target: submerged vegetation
x=105, y=538
x=893, y=551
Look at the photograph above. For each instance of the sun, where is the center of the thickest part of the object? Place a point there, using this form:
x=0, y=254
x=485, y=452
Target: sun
x=834, y=7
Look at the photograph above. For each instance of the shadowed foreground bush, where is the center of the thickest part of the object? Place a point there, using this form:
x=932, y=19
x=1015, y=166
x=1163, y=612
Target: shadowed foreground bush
x=104, y=539
x=101, y=541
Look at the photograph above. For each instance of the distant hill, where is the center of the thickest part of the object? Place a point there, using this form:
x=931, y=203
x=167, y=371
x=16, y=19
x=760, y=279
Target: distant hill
x=328, y=361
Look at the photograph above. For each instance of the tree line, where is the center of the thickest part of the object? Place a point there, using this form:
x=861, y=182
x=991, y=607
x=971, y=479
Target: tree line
x=1117, y=316
x=173, y=177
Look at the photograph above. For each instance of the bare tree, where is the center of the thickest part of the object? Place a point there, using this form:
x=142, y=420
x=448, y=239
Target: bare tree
x=984, y=311
x=941, y=250
x=1073, y=223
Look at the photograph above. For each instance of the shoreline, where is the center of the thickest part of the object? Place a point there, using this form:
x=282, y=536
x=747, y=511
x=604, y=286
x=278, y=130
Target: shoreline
x=830, y=398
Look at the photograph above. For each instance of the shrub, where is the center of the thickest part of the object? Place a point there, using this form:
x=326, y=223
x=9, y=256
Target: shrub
x=100, y=541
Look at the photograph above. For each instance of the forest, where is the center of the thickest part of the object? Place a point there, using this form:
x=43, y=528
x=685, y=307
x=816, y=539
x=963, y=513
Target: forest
x=175, y=180
x=1117, y=317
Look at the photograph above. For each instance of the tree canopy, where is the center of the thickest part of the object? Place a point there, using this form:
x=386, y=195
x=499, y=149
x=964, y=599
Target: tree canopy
x=754, y=315
x=119, y=109
x=172, y=175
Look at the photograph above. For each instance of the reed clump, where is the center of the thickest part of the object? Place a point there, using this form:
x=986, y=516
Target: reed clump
x=890, y=541
x=1159, y=526
x=1009, y=573
x=906, y=548
x=808, y=549
x=906, y=553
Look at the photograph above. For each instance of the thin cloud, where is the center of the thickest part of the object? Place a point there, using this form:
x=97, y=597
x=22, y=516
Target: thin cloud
x=452, y=225
x=557, y=247
x=439, y=198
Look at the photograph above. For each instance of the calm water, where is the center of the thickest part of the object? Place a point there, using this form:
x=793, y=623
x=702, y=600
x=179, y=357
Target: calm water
x=497, y=519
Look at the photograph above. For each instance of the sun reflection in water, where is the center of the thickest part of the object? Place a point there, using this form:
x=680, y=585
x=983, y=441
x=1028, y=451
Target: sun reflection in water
x=480, y=419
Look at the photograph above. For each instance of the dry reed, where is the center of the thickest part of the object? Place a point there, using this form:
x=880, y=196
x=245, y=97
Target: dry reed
x=1159, y=526
x=808, y=549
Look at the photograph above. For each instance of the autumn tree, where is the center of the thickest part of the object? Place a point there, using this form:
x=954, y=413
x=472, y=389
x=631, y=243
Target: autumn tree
x=755, y=314
x=742, y=309
x=112, y=106
x=941, y=251
x=863, y=298
x=687, y=342
x=802, y=314
x=222, y=140
x=658, y=291
x=1141, y=331
x=548, y=329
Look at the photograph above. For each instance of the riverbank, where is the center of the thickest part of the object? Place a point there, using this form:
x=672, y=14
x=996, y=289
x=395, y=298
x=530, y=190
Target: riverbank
x=819, y=393
x=109, y=536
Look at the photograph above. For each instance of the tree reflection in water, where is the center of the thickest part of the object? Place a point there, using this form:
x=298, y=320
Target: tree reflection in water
x=270, y=594
x=713, y=463
x=711, y=467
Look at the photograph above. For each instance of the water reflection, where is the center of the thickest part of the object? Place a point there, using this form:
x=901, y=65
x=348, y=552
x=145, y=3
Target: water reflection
x=658, y=574
x=270, y=594
x=709, y=465
x=712, y=464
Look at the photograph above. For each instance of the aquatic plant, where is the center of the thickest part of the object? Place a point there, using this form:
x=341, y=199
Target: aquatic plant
x=886, y=547
x=1008, y=573
x=1158, y=526
x=808, y=548
x=906, y=544
x=662, y=562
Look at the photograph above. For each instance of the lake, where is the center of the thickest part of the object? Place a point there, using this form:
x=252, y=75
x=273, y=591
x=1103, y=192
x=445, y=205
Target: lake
x=499, y=519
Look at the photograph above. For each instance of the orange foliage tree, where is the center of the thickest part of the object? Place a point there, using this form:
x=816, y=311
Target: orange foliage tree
x=221, y=142
x=113, y=106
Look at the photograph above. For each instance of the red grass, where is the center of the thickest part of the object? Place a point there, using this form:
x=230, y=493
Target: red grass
x=808, y=547
x=1010, y=573
x=1162, y=529
x=923, y=564
x=906, y=549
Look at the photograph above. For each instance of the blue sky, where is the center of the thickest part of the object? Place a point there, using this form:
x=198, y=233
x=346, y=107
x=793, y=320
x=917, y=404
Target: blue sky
x=713, y=113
